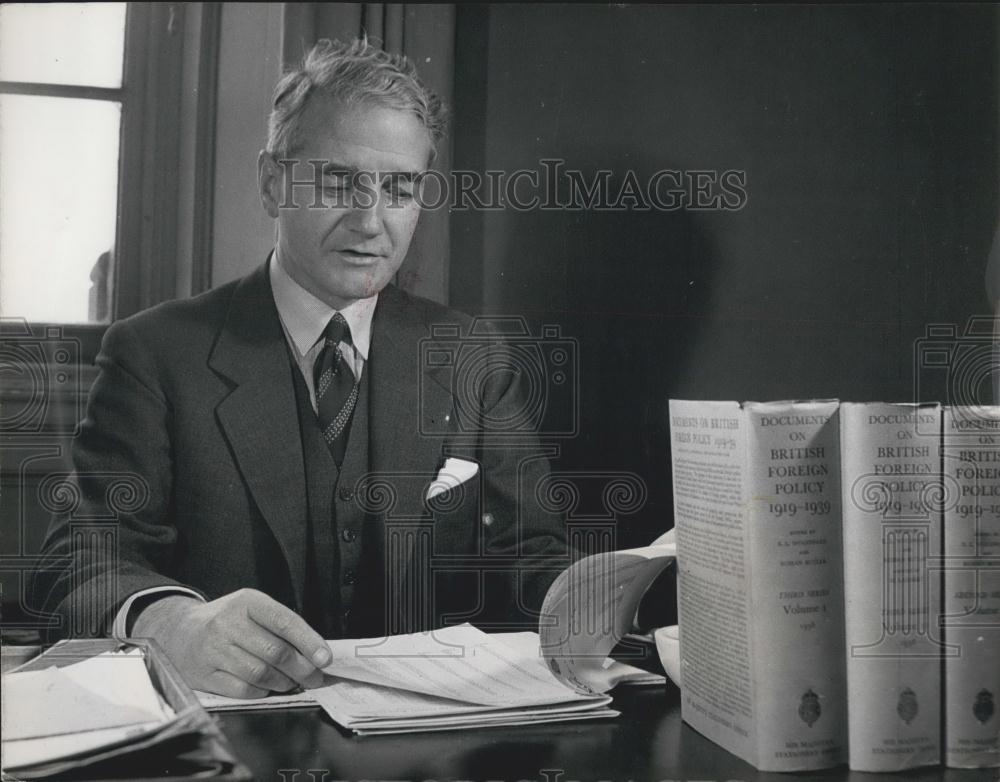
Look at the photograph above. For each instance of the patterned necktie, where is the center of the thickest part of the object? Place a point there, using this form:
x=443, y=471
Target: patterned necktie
x=336, y=388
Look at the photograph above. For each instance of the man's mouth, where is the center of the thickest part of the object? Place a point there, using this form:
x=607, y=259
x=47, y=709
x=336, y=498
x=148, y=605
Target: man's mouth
x=360, y=255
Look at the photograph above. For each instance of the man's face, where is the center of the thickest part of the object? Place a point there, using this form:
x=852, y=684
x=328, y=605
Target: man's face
x=349, y=247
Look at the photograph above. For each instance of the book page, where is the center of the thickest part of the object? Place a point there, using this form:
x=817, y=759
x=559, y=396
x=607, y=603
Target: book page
x=459, y=663
x=351, y=703
x=485, y=721
x=590, y=607
x=278, y=700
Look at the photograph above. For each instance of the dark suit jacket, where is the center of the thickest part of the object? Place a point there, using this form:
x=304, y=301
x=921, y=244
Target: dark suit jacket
x=191, y=446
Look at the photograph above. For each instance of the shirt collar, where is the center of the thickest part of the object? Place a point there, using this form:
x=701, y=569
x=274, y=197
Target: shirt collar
x=305, y=316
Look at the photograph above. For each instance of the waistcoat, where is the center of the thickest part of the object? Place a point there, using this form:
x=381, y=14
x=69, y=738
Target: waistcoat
x=343, y=591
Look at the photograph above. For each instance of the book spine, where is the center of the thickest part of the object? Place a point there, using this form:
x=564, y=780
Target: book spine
x=708, y=444
x=891, y=485
x=971, y=458
x=794, y=524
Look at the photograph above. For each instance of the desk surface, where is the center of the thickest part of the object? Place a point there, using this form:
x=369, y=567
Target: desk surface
x=648, y=742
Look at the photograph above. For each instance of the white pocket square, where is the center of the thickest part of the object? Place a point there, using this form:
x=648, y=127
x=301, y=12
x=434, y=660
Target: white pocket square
x=454, y=473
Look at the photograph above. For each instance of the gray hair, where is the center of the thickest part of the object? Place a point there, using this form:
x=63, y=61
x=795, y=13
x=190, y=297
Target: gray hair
x=354, y=73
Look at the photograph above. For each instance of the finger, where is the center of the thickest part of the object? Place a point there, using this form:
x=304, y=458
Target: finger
x=288, y=625
x=224, y=683
x=281, y=655
x=254, y=671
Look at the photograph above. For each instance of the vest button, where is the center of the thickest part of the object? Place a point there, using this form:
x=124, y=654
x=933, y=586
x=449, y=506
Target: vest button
x=345, y=615
x=348, y=536
x=349, y=577
x=346, y=494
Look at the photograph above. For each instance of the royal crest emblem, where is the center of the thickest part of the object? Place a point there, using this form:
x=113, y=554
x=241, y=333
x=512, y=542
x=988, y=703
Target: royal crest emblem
x=983, y=707
x=907, y=707
x=809, y=708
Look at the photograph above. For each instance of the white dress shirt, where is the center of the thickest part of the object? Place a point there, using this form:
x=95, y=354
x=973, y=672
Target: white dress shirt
x=304, y=317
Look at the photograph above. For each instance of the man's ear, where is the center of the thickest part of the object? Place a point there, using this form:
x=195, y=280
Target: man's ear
x=269, y=182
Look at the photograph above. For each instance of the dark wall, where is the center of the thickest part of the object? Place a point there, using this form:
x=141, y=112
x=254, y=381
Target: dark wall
x=869, y=140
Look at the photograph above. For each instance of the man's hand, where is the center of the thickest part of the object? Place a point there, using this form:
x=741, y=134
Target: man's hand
x=242, y=645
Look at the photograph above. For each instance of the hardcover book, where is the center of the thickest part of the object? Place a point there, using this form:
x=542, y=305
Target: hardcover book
x=758, y=519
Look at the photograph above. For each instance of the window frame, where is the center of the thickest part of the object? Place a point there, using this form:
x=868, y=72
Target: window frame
x=157, y=59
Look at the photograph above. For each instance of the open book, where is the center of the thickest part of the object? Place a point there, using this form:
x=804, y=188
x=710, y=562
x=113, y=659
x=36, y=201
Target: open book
x=460, y=677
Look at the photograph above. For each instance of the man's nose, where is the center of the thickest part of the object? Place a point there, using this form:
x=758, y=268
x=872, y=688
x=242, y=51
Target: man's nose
x=366, y=212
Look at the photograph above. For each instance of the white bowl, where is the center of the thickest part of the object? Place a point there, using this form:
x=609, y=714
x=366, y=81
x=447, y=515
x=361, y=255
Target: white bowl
x=668, y=646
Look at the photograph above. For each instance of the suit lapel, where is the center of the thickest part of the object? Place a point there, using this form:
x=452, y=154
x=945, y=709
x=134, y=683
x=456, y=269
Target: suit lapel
x=405, y=398
x=259, y=417
x=403, y=395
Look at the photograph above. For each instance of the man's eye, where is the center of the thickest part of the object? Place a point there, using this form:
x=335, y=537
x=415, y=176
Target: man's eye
x=337, y=192
x=399, y=193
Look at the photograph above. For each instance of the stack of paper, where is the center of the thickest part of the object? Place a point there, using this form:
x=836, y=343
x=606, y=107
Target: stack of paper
x=293, y=700
x=60, y=718
x=458, y=677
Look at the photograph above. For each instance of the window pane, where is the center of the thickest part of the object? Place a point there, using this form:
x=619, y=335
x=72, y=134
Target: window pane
x=58, y=203
x=63, y=43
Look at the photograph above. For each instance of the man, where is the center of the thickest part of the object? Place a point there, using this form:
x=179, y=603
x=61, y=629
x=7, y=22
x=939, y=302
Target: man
x=284, y=430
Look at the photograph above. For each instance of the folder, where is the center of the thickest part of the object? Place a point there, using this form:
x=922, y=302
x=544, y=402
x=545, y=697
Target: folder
x=164, y=735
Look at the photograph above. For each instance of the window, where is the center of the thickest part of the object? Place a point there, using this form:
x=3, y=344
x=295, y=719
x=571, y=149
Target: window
x=61, y=108
x=94, y=98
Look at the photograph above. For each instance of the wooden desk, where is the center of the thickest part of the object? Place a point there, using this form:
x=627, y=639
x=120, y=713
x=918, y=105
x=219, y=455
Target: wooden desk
x=648, y=743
